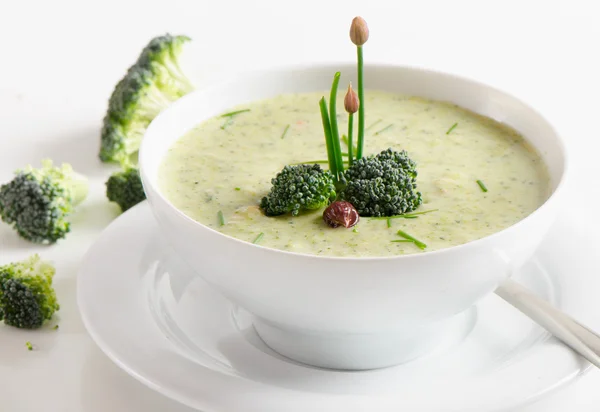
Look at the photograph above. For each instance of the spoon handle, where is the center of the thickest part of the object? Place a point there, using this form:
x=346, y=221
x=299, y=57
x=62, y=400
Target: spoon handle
x=578, y=337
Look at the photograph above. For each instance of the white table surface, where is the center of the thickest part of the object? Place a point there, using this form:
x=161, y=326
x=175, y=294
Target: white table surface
x=60, y=60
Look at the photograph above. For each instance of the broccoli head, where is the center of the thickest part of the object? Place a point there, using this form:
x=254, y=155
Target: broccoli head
x=27, y=297
x=37, y=202
x=125, y=188
x=150, y=85
x=296, y=188
x=382, y=185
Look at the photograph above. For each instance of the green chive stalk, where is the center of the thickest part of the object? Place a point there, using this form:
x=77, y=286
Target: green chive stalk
x=335, y=135
x=359, y=34
x=328, y=140
x=351, y=104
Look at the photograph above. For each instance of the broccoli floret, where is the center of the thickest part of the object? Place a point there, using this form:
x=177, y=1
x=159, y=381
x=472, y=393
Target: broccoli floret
x=125, y=188
x=27, y=298
x=382, y=185
x=150, y=85
x=37, y=202
x=296, y=188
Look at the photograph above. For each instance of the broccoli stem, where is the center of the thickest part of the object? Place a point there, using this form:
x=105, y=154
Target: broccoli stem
x=79, y=188
x=350, y=147
x=328, y=140
x=335, y=136
x=361, y=108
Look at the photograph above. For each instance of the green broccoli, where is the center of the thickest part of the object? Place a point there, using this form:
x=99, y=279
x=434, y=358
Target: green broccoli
x=125, y=188
x=382, y=185
x=150, y=85
x=27, y=298
x=37, y=202
x=296, y=188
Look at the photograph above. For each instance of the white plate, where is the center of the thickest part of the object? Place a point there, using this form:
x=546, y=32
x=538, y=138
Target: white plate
x=167, y=328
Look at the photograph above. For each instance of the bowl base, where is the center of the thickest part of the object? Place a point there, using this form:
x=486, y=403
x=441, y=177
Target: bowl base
x=344, y=351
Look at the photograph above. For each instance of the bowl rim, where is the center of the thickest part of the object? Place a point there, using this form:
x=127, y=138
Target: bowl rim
x=279, y=69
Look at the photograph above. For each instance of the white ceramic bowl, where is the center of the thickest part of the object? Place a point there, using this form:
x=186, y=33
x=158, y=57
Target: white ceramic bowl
x=351, y=313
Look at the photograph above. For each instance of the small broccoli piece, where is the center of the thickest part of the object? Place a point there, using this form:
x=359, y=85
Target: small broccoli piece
x=37, y=202
x=150, y=85
x=125, y=188
x=382, y=185
x=27, y=298
x=296, y=188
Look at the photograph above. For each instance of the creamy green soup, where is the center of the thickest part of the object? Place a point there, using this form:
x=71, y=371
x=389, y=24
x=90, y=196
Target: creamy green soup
x=225, y=165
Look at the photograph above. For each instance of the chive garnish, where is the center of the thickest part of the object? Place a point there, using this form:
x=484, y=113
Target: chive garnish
x=230, y=116
x=417, y=242
x=328, y=141
x=285, y=131
x=258, y=238
x=310, y=162
x=335, y=136
x=374, y=124
x=221, y=218
x=361, y=108
x=226, y=123
x=402, y=241
x=350, y=144
x=384, y=129
x=29, y=345
x=451, y=128
x=351, y=104
x=355, y=230
x=55, y=327
x=389, y=222
x=482, y=186
x=406, y=215
x=345, y=140
x=238, y=188
x=235, y=112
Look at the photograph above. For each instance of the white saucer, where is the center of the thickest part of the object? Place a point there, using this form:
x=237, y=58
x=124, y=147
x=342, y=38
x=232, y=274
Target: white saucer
x=167, y=328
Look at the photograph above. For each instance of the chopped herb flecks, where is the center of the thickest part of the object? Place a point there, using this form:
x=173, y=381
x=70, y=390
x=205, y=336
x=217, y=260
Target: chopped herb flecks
x=28, y=345
x=285, y=131
x=384, y=129
x=452, y=128
x=374, y=124
x=221, y=218
x=389, y=222
x=234, y=113
x=312, y=162
x=258, y=238
x=482, y=186
x=238, y=189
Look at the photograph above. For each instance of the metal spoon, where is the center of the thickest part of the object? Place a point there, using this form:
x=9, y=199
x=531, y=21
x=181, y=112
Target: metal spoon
x=573, y=334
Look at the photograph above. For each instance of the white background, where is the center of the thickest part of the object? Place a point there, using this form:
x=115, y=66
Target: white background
x=59, y=61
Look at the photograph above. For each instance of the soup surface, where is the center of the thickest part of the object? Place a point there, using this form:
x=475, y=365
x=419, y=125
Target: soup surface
x=226, y=165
